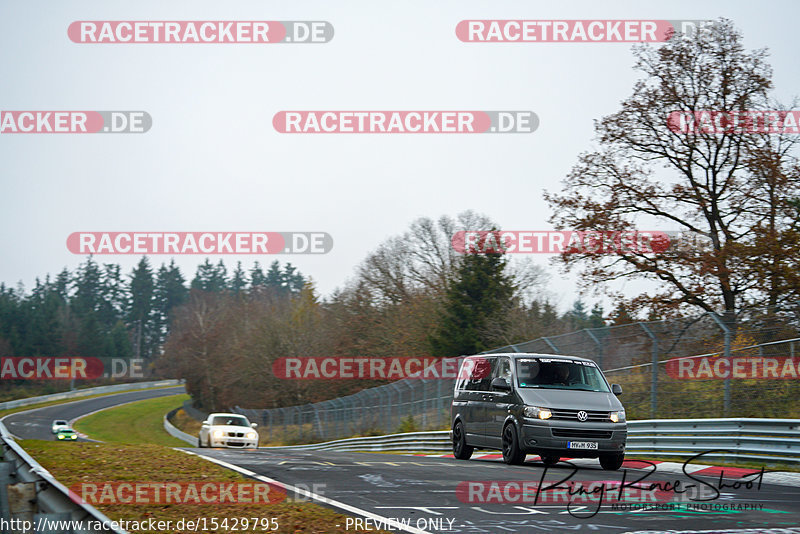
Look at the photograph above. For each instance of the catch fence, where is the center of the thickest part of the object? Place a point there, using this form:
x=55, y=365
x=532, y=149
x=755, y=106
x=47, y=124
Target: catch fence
x=668, y=369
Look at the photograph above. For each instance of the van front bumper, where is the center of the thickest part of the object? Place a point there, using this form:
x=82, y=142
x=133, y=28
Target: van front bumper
x=550, y=437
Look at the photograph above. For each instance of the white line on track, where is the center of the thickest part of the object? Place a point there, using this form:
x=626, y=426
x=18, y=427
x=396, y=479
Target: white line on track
x=388, y=522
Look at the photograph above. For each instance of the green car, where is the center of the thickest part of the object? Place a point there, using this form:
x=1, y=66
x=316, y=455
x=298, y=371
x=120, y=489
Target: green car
x=66, y=434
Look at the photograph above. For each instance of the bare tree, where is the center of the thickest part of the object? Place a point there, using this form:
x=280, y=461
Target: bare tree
x=710, y=186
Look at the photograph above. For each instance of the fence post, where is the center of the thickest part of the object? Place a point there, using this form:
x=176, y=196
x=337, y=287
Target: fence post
x=654, y=371
x=393, y=386
x=727, y=337
x=424, y=403
x=550, y=344
x=598, y=345
x=439, y=407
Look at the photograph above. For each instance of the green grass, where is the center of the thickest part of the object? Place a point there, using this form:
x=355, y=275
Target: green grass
x=137, y=423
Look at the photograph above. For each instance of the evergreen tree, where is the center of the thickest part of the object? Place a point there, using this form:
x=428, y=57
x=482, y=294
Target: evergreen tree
x=170, y=291
x=211, y=278
x=257, y=277
x=473, y=318
x=577, y=316
x=292, y=280
x=274, y=277
x=140, y=317
x=596, y=318
x=238, y=281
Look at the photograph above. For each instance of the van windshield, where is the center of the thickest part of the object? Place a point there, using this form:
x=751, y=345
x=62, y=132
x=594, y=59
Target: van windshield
x=557, y=373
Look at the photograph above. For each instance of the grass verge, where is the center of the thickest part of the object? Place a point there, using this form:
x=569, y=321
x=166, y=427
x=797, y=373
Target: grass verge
x=140, y=422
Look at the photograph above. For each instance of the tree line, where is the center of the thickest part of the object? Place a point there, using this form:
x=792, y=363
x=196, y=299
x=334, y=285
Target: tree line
x=411, y=297
x=96, y=311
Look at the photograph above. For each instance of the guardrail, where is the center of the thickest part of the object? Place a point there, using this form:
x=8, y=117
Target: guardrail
x=776, y=440
x=773, y=440
x=28, y=492
x=175, y=432
x=99, y=390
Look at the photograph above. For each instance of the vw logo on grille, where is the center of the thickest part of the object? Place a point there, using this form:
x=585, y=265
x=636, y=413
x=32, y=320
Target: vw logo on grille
x=582, y=416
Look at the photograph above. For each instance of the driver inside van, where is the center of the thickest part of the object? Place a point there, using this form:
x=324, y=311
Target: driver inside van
x=561, y=375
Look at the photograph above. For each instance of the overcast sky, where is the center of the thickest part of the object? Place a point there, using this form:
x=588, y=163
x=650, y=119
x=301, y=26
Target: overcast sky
x=213, y=161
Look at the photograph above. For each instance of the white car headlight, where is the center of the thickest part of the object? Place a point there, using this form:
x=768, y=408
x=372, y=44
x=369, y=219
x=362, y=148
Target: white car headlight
x=218, y=433
x=252, y=435
x=535, y=412
x=617, y=417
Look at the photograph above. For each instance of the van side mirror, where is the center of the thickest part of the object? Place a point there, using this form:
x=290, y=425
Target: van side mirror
x=616, y=389
x=501, y=384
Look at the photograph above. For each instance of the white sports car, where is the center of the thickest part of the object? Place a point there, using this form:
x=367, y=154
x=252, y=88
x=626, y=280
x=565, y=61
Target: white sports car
x=228, y=430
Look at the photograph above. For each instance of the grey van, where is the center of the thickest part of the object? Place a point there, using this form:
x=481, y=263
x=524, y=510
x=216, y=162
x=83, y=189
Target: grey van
x=553, y=406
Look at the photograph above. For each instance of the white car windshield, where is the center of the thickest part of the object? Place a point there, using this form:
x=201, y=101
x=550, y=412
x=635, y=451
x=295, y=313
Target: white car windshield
x=230, y=421
x=557, y=373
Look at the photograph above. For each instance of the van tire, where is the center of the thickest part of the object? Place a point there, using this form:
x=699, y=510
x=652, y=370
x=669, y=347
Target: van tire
x=461, y=450
x=611, y=462
x=550, y=460
x=512, y=453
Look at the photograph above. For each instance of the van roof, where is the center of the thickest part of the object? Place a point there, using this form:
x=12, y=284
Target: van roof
x=532, y=355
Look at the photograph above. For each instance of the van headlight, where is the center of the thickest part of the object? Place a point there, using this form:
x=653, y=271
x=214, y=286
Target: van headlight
x=218, y=433
x=251, y=435
x=535, y=412
x=617, y=417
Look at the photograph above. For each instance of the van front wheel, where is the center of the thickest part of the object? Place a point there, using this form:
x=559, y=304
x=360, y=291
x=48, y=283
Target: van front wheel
x=512, y=453
x=461, y=450
x=611, y=462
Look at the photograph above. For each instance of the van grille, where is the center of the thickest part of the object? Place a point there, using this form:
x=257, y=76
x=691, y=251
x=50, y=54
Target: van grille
x=573, y=433
x=572, y=415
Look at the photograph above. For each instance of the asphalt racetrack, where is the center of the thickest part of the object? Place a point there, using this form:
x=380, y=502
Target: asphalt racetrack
x=36, y=424
x=429, y=493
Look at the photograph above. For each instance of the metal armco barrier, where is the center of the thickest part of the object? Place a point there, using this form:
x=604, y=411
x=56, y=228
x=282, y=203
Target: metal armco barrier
x=28, y=492
x=771, y=440
x=175, y=433
x=776, y=440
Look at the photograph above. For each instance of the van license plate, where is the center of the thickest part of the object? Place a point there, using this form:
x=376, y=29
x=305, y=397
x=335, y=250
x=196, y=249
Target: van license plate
x=581, y=444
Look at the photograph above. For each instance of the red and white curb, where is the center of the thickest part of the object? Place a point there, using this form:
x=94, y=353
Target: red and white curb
x=784, y=478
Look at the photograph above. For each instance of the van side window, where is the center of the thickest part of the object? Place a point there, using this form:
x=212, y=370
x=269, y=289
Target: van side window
x=481, y=377
x=503, y=369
